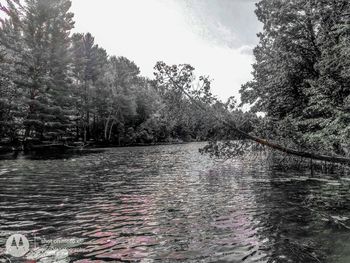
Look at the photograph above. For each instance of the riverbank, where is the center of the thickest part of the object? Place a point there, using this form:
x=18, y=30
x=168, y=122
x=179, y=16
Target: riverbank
x=45, y=147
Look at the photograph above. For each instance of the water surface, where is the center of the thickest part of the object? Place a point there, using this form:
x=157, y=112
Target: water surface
x=171, y=204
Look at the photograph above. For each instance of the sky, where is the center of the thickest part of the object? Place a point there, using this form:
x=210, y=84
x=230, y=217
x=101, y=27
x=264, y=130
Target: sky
x=215, y=36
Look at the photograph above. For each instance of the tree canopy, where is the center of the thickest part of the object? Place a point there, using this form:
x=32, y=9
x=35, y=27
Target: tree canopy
x=60, y=86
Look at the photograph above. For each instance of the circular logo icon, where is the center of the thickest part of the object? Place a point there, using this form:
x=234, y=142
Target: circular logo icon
x=17, y=245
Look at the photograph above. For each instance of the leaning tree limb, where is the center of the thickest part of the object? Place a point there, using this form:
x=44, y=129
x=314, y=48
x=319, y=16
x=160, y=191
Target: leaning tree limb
x=231, y=125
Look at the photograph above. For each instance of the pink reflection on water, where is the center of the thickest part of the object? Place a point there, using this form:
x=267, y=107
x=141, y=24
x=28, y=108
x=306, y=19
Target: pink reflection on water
x=121, y=229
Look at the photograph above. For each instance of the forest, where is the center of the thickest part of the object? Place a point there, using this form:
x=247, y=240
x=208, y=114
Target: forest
x=59, y=86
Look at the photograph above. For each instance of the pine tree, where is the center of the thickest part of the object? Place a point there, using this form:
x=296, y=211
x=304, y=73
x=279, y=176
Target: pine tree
x=89, y=62
x=12, y=49
x=37, y=38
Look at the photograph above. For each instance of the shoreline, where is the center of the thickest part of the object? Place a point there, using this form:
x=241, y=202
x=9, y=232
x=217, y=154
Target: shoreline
x=61, y=147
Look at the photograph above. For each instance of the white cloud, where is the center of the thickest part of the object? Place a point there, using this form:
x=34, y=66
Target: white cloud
x=153, y=30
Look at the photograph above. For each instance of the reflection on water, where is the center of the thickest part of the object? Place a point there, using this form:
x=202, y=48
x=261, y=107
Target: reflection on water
x=169, y=203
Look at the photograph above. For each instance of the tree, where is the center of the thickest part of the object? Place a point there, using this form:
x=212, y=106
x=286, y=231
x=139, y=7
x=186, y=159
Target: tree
x=297, y=75
x=89, y=66
x=188, y=118
x=120, y=105
x=35, y=38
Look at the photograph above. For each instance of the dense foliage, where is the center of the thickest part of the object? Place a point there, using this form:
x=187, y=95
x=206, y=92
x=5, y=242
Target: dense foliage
x=59, y=86
x=301, y=75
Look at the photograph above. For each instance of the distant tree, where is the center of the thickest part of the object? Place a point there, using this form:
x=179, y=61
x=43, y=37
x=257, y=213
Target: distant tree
x=190, y=108
x=89, y=66
x=121, y=76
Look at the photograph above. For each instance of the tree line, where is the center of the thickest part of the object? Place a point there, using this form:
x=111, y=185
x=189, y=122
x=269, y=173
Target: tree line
x=60, y=86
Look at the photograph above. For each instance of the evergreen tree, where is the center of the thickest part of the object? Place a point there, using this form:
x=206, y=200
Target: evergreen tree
x=41, y=31
x=12, y=50
x=89, y=66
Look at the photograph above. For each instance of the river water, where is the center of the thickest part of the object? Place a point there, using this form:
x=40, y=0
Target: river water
x=171, y=204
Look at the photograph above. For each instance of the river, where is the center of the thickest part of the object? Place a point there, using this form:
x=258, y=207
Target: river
x=171, y=204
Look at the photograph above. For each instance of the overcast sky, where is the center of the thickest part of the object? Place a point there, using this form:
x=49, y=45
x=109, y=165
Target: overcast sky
x=214, y=36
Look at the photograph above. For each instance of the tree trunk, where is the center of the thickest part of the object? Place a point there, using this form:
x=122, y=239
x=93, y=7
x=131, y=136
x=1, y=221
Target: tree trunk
x=320, y=157
x=88, y=124
x=84, y=133
x=106, y=126
x=110, y=130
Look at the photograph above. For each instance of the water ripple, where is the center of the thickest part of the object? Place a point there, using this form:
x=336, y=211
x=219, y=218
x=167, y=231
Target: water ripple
x=169, y=203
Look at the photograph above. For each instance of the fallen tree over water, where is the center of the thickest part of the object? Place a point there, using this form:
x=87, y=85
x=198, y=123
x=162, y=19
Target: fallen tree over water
x=181, y=77
x=314, y=156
